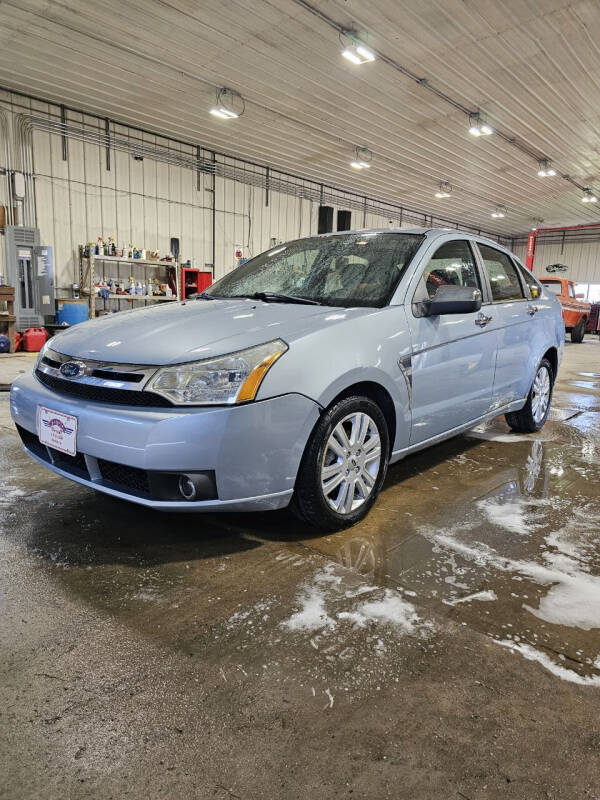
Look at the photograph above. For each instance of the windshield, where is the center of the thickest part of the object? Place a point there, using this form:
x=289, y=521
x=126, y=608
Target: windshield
x=354, y=269
x=553, y=286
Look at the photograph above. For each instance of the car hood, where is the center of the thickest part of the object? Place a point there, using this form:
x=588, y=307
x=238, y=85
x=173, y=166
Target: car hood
x=172, y=333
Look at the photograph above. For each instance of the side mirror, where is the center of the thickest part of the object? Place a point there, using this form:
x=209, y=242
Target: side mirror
x=453, y=300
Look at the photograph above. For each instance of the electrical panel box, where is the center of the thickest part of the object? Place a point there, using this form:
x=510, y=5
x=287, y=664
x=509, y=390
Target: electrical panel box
x=30, y=270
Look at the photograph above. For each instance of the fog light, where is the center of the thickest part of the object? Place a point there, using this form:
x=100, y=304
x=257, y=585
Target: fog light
x=187, y=487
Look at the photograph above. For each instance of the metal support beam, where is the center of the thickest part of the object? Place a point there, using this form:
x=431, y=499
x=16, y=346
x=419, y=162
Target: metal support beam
x=267, y=174
x=107, y=134
x=63, y=120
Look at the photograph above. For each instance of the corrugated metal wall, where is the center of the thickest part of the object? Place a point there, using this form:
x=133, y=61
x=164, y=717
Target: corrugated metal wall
x=147, y=202
x=582, y=258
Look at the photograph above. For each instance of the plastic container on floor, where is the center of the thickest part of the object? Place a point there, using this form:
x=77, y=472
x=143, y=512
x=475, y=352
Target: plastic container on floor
x=70, y=312
x=34, y=339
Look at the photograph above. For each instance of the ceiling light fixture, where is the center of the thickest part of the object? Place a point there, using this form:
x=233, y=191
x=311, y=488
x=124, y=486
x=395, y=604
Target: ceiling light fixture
x=545, y=169
x=537, y=223
x=362, y=158
x=358, y=54
x=478, y=126
x=588, y=196
x=353, y=49
x=500, y=211
x=445, y=190
x=230, y=104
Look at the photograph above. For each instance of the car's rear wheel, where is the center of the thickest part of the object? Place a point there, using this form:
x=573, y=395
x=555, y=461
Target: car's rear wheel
x=578, y=332
x=343, y=466
x=533, y=415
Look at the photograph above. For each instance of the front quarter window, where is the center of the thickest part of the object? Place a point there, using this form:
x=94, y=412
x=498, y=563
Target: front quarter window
x=354, y=269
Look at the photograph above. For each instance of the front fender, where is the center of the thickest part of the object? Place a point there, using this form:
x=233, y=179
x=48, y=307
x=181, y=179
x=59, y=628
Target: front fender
x=323, y=364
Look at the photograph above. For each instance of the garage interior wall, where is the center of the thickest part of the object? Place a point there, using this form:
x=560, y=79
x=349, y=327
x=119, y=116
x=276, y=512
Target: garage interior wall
x=147, y=201
x=582, y=258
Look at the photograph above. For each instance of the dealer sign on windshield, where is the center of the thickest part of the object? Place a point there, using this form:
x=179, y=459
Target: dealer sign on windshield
x=57, y=430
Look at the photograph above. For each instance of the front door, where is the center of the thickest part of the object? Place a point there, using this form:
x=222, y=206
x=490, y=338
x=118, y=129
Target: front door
x=453, y=355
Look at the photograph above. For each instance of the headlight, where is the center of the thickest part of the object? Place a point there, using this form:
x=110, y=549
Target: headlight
x=42, y=352
x=229, y=379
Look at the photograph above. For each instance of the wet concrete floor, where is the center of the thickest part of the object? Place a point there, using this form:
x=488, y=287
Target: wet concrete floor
x=446, y=647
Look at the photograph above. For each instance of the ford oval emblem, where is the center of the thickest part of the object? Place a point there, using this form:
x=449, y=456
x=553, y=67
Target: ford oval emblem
x=72, y=369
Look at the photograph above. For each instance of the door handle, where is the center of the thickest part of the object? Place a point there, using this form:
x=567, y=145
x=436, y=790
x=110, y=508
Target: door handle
x=531, y=310
x=482, y=320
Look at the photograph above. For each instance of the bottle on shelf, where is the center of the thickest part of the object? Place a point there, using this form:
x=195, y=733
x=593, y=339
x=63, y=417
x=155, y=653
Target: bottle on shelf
x=100, y=246
x=131, y=285
x=149, y=288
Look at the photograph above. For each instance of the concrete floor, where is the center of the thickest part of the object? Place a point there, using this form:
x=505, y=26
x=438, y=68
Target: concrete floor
x=447, y=647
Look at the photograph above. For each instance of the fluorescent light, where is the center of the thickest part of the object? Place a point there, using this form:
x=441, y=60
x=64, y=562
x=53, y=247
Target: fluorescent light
x=444, y=191
x=366, y=54
x=478, y=127
x=545, y=169
x=362, y=158
x=351, y=56
x=499, y=212
x=358, y=54
x=223, y=113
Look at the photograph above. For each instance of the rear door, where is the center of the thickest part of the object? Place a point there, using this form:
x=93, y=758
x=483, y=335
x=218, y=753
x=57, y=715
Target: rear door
x=453, y=355
x=513, y=314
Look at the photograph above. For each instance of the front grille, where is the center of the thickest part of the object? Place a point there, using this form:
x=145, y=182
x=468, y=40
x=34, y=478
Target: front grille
x=31, y=442
x=75, y=464
x=120, y=475
x=129, y=480
x=102, y=394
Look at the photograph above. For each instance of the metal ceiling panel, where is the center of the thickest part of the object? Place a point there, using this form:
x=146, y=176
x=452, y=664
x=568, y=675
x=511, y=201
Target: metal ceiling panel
x=533, y=67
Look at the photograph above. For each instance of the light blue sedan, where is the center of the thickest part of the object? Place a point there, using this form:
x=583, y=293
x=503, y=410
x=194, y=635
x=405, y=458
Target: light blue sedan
x=297, y=378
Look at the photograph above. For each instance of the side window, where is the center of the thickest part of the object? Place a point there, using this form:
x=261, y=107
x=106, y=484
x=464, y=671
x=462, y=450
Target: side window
x=452, y=264
x=571, y=290
x=535, y=290
x=502, y=274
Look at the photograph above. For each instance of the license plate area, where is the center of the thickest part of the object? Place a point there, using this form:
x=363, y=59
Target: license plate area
x=57, y=430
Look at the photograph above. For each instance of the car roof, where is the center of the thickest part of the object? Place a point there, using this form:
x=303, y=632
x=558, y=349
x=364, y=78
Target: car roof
x=430, y=233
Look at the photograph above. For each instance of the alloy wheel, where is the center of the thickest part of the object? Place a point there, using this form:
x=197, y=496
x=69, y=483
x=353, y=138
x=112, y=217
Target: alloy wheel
x=540, y=397
x=351, y=461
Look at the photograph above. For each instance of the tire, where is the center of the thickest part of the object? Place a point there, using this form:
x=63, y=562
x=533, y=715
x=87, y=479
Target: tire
x=348, y=501
x=530, y=419
x=578, y=332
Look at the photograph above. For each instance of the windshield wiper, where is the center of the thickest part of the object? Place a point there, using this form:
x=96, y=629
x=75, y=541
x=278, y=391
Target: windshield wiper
x=205, y=296
x=274, y=297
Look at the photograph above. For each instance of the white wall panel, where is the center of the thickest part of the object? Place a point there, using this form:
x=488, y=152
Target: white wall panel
x=146, y=202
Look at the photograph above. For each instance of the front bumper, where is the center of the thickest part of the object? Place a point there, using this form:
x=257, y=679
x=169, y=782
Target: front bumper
x=253, y=450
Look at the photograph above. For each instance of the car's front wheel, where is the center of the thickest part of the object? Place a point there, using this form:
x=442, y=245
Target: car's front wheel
x=533, y=415
x=343, y=466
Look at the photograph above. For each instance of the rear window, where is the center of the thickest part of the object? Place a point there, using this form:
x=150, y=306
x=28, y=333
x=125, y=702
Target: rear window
x=502, y=274
x=528, y=279
x=553, y=286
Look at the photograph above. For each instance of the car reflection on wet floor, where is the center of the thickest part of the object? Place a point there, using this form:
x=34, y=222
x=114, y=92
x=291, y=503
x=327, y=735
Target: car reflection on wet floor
x=504, y=535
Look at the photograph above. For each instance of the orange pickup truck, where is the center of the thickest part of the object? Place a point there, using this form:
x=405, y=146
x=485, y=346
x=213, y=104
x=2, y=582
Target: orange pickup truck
x=576, y=312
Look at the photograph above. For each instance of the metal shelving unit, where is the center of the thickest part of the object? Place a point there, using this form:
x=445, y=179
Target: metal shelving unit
x=88, y=275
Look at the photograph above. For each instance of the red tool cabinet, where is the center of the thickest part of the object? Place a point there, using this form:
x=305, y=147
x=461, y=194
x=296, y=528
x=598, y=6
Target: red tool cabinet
x=194, y=281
